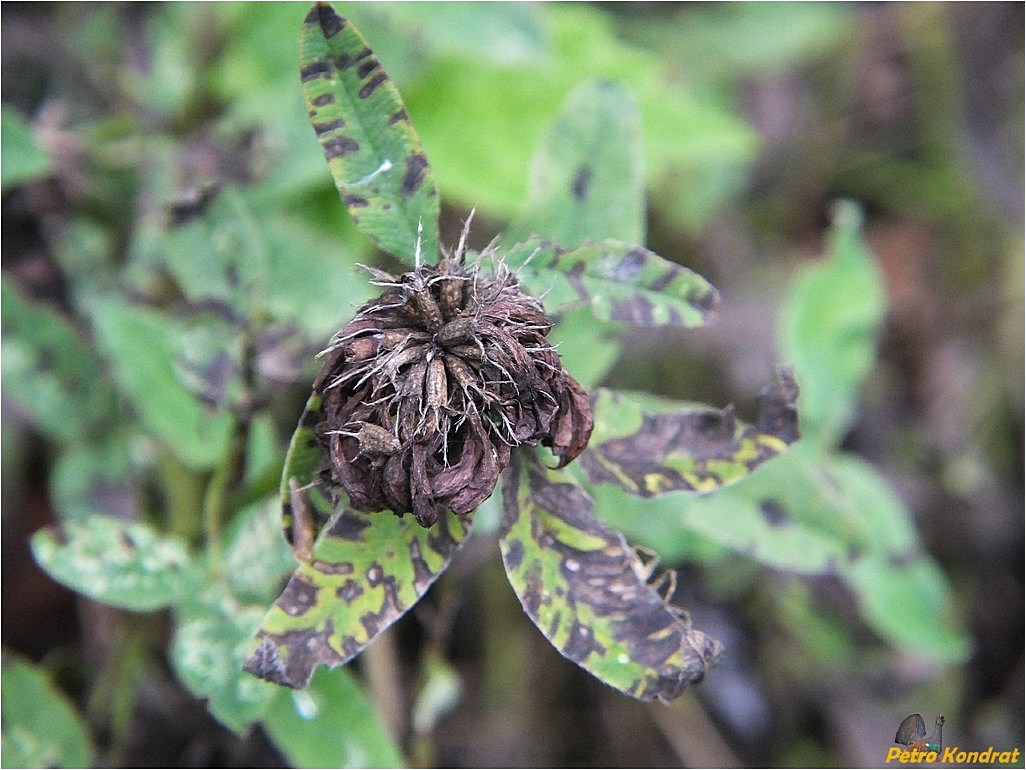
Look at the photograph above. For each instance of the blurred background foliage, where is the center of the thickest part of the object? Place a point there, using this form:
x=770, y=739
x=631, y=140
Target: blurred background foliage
x=129, y=365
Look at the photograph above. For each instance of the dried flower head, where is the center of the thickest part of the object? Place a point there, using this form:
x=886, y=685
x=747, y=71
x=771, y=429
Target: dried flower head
x=431, y=385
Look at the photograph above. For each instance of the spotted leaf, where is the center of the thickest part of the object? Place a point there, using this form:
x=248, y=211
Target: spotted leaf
x=587, y=175
x=365, y=571
x=619, y=281
x=123, y=564
x=373, y=152
x=696, y=450
x=588, y=591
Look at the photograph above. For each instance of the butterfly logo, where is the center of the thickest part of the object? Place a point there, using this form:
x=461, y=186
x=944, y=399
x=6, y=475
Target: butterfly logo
x=912, y=733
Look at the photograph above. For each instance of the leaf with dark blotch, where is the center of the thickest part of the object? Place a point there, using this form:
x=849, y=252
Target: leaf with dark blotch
x=125, y=564
x=589, y=592
x=212, y=630
x=695, y=450
x=375, y=156
x=142, y=345
x=587, y=175
x=50, y=376
x=621, y=282
x=365, y=571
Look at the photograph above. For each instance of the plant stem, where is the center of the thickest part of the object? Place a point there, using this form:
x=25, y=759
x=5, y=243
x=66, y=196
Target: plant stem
x=230, y=470
x=215, y=499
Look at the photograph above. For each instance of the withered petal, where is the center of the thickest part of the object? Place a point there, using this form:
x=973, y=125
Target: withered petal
x=457, y=367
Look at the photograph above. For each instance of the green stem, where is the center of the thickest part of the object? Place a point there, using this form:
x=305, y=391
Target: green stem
x=183, y=491
x=216, y=498
x=228, y=474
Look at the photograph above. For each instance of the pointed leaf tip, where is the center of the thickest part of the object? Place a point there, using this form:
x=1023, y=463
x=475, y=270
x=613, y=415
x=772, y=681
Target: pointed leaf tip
x=590, y=594
x=373, y=152
x=649, y=453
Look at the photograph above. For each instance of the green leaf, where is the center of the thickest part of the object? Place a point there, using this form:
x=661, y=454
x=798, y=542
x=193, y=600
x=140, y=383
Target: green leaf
x=330, y=724
x=815, y=515
x=623, y=283
x=49, y=374
x=695, y=450
x=88, y=257
x=466, y=104
x=830, y=325
x=588, y=349
x=209, y=647
x=256, y=558
x=220, y=225
x=587, y=173
x=909, y=603
x=41, y=727
x=374, y=154
x=588, y=591
x=22, y=158
x=259, y=264
x=366, y=570
x=95, y=478
x=123, y=564
x=143, y=346
x=745, y=518
x=902, y=592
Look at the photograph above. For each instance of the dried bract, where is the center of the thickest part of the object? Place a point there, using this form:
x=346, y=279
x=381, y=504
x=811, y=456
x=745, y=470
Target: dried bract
x=431, y=385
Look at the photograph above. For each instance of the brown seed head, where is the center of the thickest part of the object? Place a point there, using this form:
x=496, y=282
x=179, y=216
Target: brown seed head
x=427, y=390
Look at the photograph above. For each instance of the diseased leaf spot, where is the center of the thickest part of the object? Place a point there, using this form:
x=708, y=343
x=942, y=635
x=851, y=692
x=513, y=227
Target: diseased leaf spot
x=422, y=574
x=554, y=624
x=331, y=23
x=265, y=662
x=708, y=301
x=192, y=204
x=299, y=597
x=349, y=591
x=773, y=512
x=582, y=643
x=339, y=146
x=323, y=100
x=901, y=560
x=631, y=265
x=330, y=568
x=354, y=201
x=366, y=68
x=345, y=60
x=375, y=575
x=349, y=526
x=310, y=418
x=334, y=125
x=398, y=117
x=376, y=622
x=665, y=280
x=313, y=70
x=416, y=166
x=514, y=555
x=371, y=85
x=582, y=181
